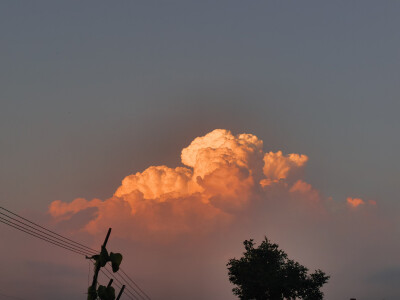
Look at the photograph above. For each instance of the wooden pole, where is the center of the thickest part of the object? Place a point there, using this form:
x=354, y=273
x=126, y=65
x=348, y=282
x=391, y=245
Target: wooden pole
x=97, y=265
x=107, y=236
x=120, y=292
x=110, y=282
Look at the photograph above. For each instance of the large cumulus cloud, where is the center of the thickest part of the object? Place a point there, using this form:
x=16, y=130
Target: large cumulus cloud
x=223, y=176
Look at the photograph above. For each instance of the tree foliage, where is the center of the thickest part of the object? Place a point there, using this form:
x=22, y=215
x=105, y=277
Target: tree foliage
x=266, y=273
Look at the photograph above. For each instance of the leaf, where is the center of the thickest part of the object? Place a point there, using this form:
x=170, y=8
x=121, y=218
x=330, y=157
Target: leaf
x=116, y=259
x=92, y=295
x=106, y=293
x=104, y=258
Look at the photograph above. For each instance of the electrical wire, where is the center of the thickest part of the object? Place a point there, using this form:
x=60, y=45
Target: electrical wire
x=59, y=235
x=118, y=284
x=49, y=238
x=44, y=239
x=78, y=248
x=127, y=282
x=130, y=295
x=130, y=279
x=110, y=275
x=126, y=287
x=30, y=232
x=64, y=242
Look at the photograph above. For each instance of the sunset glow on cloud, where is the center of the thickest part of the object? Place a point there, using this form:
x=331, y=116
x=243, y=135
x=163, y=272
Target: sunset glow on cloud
x=223, y=175
x=355, y=202
x=278, y=166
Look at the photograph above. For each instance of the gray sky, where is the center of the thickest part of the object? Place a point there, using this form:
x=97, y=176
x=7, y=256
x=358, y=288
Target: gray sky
x=92, y=92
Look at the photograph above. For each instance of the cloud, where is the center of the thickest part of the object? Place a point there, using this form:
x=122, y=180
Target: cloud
x=62, y=210
x=278, y=166
x=355, y=202
x=222, y=176
x=225, y=180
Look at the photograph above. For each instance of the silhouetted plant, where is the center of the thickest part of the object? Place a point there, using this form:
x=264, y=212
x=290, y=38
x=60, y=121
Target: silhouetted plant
x=103, y=292
x=266, y=273
x=106, y=292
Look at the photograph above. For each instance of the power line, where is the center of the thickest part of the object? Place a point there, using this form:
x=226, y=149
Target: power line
x=66, y=244
x=114, y=283
x=78, y=248
x=135, y=284
x=37, y=236
x=124, y=280
x=46, y=239
x=61, y=236
x=120, y=283
x=133, y=288
x=116, y=279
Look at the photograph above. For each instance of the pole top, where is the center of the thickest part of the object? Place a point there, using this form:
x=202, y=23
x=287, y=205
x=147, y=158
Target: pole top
x=107, y=236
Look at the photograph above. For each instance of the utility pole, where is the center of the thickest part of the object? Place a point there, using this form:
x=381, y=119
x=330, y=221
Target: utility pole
x=120, y=292
x=105, y=293
x=97, y=264
x=110, y=282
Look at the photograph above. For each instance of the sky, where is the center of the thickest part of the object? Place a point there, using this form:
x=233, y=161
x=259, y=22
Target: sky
x=281, y=117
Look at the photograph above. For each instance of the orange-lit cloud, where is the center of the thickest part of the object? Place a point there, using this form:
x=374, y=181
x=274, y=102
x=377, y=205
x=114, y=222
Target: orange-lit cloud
x=278, y=166
x=306, y=189
x=355, y=202
x=64, y=210
x=358, y=202
x=224, y=175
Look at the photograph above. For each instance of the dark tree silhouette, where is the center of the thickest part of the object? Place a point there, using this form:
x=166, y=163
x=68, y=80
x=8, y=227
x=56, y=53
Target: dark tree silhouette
x=266, y=273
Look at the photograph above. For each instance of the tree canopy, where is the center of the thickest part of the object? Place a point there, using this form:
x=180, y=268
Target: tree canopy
x=266, y=273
